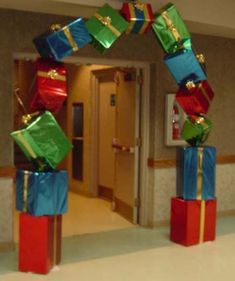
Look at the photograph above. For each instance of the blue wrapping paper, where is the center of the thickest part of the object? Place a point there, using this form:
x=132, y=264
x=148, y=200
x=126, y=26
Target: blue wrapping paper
x=42, y=193
x=187, y=173
x=55, y=44
x=184, y=66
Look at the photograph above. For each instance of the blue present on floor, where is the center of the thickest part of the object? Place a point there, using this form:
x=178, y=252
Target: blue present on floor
x=42, y=193
x=184, y=66
x=60, y=42
x=196, y=172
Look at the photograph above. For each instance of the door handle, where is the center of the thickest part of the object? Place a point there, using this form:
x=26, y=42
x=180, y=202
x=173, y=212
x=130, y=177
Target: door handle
x=120, y=147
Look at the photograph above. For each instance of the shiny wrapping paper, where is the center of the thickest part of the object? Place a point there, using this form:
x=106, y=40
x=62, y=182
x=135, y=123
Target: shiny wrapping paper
x=196, y=131
x=184, y=66
x=105, y=27
x=63, y=41
x=43, y=141
x=39, y=243
x=170, y=28
x=196, y=172
x=189, y=225
x=40, y=193
x=140, y=17
x=195, y=98
x=50, y=88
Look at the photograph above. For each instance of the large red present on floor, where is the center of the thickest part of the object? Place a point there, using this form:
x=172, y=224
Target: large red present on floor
x=39, y=243
x=195, y=98
x=192, y=221
x=49, y=87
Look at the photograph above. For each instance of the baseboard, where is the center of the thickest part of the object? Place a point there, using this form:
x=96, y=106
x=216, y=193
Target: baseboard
x=105, y=192
x=123, y=209
x=7, y=246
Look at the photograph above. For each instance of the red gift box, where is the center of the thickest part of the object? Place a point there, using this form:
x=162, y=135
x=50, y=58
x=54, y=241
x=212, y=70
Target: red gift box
x=39, y=243
x=192, y=221
x=195, y=98
x=139, y=15
x=50, y=86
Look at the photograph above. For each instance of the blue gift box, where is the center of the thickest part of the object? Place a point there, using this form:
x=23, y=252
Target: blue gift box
x=184, y=66
x=42, y=193
x=63, y=41
x=196, y=172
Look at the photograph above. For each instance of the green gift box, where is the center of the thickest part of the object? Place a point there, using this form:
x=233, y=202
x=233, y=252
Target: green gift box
x=43, y=141
x=196, y=131
x=170, y=28
x=105, y=27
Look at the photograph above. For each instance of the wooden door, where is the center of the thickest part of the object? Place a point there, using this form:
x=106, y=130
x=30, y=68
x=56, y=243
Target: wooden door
x=125, y=145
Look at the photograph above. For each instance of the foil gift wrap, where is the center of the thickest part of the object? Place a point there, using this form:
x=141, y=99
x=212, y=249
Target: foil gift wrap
x=192, y=221
x=50, y=88
x=195, y=98
x=60, y=42
x=43, y=141
x=139, y=15
x=184, y=66
x=42, y=193
x=170, y=29
x=39, y=243
x=105, y=27
x=195, y=177
x=196, y=130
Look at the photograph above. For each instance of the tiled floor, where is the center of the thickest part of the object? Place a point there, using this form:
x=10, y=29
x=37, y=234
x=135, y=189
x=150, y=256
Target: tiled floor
x=125, y=252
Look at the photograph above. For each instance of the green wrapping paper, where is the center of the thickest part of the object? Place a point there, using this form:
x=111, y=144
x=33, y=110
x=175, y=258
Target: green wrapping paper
x=43, y=142
x=105, y=27
x=195, y=132
x=170, y=28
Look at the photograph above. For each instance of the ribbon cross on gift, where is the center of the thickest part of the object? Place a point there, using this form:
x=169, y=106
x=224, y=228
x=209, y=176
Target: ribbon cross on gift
x=171, y=26
x=107, y=21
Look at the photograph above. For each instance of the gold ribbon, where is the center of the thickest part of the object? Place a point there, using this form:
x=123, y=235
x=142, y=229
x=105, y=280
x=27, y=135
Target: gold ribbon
x=52, y=74
x=69, y=36
x=202, y=221
x=144, y=9
x=54, y=239
x=106, y=21
x=199, y=172
x=201, y=58
x=27, y=117
x=67, y=33
x=171, y=26
x=26, y=145
x=204, y=93
x=25, y=190
x=201, y=121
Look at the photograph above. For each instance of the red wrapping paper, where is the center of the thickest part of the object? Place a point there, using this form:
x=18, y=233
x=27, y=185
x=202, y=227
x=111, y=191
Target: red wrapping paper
x=50, y=86
x=125, y=11
x=185, y=221
x=195, y=100
x=39, y=243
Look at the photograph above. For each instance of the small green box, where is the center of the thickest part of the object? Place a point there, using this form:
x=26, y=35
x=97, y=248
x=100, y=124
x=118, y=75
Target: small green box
x=170, y=28
x=43, y=141
x=105, y=27
x=196, y=132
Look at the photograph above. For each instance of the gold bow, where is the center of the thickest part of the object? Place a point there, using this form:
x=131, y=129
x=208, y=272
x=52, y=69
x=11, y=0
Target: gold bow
x=52, y=74
x=201, y=58
x=138, y=5
x=26, y=118
x=190, y=85
x=107, y=21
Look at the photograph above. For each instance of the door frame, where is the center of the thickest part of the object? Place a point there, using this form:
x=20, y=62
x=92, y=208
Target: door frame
x=144, y=187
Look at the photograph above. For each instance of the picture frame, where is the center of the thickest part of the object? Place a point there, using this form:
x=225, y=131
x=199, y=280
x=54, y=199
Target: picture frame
x=174, y=120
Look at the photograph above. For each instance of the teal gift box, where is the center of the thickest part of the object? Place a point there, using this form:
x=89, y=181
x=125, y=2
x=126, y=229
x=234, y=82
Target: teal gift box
x=105, y=27
x=196, y=172
x=43, y=141
x=42, y=193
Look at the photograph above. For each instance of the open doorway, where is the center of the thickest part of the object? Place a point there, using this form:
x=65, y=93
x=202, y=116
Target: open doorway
x=81, y=119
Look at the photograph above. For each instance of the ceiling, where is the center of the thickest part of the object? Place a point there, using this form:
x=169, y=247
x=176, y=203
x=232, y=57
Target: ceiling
x=213, y=17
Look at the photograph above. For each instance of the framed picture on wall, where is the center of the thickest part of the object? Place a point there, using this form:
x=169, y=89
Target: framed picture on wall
x=174, y=121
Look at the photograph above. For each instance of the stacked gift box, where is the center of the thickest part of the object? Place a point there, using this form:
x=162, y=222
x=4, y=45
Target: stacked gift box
x=41, y=194
x=193, y=210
